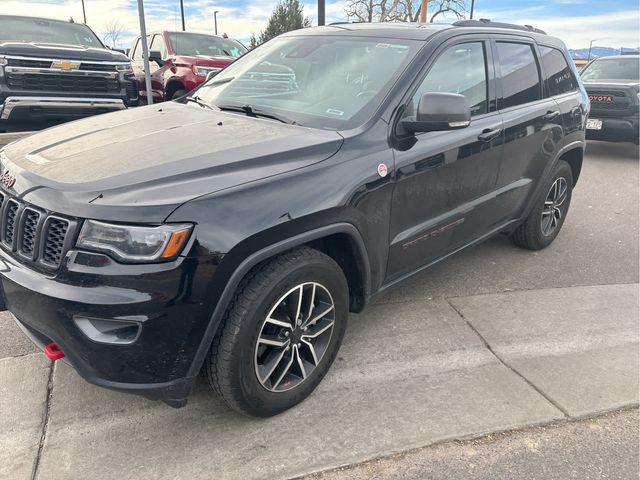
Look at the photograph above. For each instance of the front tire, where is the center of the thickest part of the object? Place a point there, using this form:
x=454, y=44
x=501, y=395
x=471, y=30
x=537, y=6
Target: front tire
x=281, y=333
x=545, y=220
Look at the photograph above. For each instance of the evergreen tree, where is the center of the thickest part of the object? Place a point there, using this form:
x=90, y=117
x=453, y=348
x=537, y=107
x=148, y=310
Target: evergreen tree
x=286, y=16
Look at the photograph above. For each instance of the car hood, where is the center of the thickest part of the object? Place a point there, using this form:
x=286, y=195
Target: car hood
x=61, y=52
x=143, y=163
x=610, y=83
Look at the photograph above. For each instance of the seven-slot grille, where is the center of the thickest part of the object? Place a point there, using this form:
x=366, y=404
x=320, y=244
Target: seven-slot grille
x=33, y=234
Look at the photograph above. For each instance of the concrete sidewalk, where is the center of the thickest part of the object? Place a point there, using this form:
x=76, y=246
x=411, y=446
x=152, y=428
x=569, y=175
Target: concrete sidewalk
x=409, y=374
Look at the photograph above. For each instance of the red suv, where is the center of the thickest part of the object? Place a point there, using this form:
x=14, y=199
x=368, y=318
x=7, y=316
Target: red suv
x=180, y=61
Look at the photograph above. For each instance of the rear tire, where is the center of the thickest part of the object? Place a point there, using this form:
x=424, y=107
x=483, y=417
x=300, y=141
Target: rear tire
x=263, y=359
x=545, y=220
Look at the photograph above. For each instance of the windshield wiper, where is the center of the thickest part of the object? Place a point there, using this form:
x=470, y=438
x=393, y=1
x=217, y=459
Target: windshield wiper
x=199, y=101
x=251, y=111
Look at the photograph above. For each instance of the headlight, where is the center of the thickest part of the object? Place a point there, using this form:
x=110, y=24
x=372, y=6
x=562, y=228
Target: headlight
x=204, y=71
x=124, y=68
x=135, y=244
x=3, y=61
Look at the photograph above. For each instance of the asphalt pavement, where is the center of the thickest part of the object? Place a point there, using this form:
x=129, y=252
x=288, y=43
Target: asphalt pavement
x=494, y=339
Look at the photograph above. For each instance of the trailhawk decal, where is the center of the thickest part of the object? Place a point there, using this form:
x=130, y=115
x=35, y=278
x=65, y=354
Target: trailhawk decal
x=433, y=233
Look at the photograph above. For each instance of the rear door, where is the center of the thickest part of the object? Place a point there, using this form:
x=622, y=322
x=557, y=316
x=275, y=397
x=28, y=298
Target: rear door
x=445, y=181
x=532, y=122
x=561, y=84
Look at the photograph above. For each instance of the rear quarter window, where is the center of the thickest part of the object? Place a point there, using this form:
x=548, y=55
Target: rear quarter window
x=559, y=77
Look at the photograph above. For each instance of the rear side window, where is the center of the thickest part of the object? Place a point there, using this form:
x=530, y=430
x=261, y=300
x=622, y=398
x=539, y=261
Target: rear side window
x=520, y=76
x=460, y=69
x=559, y=76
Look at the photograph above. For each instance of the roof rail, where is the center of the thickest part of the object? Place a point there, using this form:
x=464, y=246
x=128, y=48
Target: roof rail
x=485, y=22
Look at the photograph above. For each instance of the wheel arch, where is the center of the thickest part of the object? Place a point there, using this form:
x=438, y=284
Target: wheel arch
x=341, y=241
x=173, y=85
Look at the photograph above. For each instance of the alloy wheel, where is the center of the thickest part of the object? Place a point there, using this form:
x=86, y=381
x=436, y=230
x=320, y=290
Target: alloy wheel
x=553, y=209
x=294, y=337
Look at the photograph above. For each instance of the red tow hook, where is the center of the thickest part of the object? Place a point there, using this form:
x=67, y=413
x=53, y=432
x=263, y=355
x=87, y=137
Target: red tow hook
x=53, y=352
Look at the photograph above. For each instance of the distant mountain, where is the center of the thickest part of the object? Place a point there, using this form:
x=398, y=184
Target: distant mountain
x=583, y=53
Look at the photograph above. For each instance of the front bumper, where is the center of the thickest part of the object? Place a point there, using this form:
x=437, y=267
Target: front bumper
x=620, y=129
x=166, y=301
x=54, y=107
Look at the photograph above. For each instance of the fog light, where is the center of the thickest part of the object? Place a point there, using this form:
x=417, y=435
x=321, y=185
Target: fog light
x=117, y=331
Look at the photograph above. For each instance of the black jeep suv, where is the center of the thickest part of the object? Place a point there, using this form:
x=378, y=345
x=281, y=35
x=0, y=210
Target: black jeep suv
x=613, y=85
x=52, y=71
x=232, y=232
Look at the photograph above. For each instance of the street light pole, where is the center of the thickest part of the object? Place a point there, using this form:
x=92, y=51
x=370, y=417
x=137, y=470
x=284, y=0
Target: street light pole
x=590, y=45
x=145, y=53
x=84, y=14
x=472, y=4
x=215, y=20
x=320, y=12
x=182, y=13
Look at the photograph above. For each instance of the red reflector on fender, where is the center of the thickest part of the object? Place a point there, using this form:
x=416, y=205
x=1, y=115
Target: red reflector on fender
x=53, y=352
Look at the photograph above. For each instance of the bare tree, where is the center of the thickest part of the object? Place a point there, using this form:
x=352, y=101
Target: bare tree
x=113, y=31
x=401, y=10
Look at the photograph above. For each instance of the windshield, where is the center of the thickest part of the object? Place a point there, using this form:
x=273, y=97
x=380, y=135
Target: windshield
x=46, y=31
x=194, y=45
x=617, y=69
x=327, y=82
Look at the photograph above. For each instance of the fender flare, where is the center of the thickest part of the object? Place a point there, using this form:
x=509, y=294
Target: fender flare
x=547, y=172
x=267, y=252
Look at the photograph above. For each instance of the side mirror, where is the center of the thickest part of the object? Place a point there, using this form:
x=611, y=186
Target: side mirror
x=156, y=56
x=439, y=111
x=210, y=75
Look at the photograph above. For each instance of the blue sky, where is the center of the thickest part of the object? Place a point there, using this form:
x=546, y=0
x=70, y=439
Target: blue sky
x=612, y=23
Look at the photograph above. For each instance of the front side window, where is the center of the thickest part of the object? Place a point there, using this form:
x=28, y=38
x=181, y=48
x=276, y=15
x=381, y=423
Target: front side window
x=519, y=72
x=559, y=76
x=327, y=81
x=37, y=30
x=157, y=44
x=137, y=51
x=193, y=45
x=460, y=69
x=612, y=70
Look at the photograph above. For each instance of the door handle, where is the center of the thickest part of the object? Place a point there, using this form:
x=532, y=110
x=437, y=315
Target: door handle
x=551, y=115
x=488, y=134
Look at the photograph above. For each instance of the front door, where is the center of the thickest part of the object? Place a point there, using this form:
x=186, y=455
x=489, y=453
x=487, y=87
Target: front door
x=445, y=182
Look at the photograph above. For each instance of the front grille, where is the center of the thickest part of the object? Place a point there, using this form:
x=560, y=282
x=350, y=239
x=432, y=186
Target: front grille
x=29, y=230
x=55, y=240
x=605, y=92
x=35, y=235
x=97, y=67
x=61, y=83
x=10, y=217
x=21, y=62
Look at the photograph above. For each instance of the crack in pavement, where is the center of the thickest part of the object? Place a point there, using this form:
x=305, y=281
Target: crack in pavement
x=503, y=362
x=45, y=421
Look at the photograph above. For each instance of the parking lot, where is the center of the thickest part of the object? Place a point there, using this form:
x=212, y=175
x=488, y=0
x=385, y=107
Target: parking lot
x=495, y=338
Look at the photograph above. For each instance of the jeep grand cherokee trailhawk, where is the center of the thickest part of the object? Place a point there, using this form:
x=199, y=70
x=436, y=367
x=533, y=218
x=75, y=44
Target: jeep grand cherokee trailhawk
x=233, y=230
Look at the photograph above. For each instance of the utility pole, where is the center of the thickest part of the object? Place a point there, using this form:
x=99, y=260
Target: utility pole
x=423, y=12
x=182, y=13
x=472, y=4
x=320, y=12
x=145, y=53
x=84, y=14
x=215, y=21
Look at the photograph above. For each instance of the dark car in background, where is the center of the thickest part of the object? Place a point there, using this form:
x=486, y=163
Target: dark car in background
x=181, y=61
x=613, y=85
x=53, y=71
x=234, y=230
